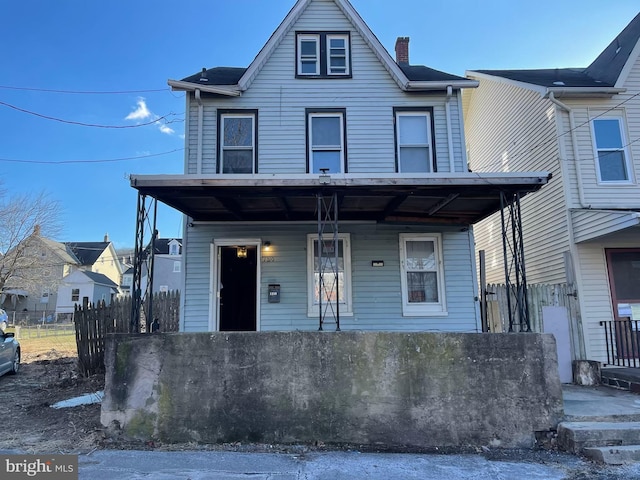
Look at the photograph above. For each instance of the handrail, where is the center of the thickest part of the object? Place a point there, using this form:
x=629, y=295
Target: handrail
x=622, y=341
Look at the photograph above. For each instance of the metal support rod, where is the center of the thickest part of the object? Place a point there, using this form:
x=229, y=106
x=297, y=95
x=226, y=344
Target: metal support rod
x=329, y=264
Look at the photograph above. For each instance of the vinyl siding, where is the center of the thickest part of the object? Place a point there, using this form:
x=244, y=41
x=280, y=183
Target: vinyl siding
x=376, y=294
x=500, y=138
x=281, y=100
x=596, y=303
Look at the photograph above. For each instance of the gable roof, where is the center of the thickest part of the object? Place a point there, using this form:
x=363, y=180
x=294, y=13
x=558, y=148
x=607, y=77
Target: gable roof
x=60, y=249
x=161, y=245
x=100, y=279
x=601, y=77
x=408, y=77
x=87, y=252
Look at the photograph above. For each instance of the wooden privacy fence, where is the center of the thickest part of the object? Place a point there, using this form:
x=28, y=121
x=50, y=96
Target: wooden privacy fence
x=538, y=296
x=94, y=321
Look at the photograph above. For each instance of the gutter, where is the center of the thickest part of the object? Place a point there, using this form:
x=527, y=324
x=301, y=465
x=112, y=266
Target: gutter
x=447, y=110
x=228, y=90
x=457, y=84
x=200, y=121
x=584, y=91
x=576, y=155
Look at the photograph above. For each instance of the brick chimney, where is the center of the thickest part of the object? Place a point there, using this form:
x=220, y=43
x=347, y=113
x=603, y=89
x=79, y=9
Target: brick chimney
x=402, y=50
x=36, y=230
x=106, y=237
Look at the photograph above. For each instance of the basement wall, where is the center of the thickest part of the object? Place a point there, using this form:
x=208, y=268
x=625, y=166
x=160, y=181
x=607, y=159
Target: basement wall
x=421, y=390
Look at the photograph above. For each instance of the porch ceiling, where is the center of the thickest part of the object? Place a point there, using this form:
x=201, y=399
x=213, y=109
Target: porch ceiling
x=440, y=199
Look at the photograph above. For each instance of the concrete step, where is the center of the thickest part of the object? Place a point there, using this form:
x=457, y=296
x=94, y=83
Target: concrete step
x=614, y=455
x=574, y=437
x=621, y=378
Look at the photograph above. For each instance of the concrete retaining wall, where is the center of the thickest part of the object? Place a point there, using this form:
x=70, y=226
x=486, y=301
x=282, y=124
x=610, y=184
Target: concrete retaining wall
x=396, y=389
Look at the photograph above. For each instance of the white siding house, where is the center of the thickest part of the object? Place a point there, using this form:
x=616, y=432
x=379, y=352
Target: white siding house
x=583, y=126
x=325, y=135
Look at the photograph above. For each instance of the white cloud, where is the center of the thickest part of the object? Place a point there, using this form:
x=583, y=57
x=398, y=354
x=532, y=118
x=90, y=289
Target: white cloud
x=165, y=129
x=141, y=112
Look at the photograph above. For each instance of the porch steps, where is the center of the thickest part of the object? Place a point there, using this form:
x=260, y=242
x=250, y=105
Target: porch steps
x=621, y=378
x=611, y=442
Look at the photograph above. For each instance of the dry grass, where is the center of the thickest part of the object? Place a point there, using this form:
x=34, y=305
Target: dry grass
x=36, y=343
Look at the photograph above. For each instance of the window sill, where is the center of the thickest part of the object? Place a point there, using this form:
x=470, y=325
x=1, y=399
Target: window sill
x=427, y=313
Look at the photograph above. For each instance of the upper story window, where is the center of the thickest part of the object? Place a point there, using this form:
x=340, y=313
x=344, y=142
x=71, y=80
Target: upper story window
x=414, y=141
x=611, y=152
x=237, y=141
x=176, y=267
x=326, y=141
x=323, y=54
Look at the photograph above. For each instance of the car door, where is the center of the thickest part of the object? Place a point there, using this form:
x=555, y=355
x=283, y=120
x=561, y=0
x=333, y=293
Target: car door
x=6, y=353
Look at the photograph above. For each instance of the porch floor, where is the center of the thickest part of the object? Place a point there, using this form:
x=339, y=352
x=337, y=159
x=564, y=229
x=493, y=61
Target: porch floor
x=600, y=403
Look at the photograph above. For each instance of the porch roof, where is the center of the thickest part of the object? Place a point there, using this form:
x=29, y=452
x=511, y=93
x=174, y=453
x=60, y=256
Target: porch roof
x=461, y=199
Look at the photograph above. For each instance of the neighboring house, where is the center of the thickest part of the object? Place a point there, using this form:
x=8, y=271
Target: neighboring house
x=127, y=281
x=582, y=125
x=327, y=182
x=98, y=257
x=83, y=285
x=35, y=290
x=32, y=290
x=167, y=265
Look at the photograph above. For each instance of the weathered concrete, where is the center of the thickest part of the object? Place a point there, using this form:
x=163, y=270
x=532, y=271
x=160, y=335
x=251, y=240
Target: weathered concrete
x=397, y=389
x=586, y=372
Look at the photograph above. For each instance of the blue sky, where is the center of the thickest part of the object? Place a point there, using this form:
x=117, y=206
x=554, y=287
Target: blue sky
x=135, y=46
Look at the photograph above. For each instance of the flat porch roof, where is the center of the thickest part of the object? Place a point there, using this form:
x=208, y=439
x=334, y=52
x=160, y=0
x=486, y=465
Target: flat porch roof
x=463, y=198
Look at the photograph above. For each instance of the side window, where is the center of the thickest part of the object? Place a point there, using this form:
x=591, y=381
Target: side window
x=611, y=152
x=176, y=267
x=414, y=141
x=326, y=141
x=422, y=279
x=338, y=54
x=237, y=139
x=334, y=268
x=75, y=294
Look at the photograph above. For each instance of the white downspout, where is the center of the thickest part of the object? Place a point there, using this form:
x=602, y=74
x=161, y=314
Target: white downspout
x=574, y=142
x=200, y=120
x=452, y=163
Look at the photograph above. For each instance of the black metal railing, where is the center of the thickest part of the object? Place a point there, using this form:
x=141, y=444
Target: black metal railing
x=622, y=342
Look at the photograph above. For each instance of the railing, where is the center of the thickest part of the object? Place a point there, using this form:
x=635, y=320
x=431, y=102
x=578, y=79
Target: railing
x=622, y=342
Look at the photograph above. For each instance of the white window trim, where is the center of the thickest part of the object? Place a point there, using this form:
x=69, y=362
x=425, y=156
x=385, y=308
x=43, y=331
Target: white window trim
x=624, y=149
x=177, y=266
x=326, y=148
x=223, y=147
x=347, y=70
x=346, y=309
x=425, y=309
x=429, y=145
x=306, y=37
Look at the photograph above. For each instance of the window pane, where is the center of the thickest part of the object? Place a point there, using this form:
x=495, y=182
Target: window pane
x=338, y=63
x=238, y=131
x=237, y=161
x=422, y=287
x=337, y=43
x=421, y=255
x=325, y=131
x=612, y=166
x=625, y=267
x=328, y=160
x=308, y=48
x=608, y=133
x=329, y=270
x=309, y=67
x=414, y=159
x=413, y=130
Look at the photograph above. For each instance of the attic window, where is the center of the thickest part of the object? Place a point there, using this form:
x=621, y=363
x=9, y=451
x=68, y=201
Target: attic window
x=323, y=54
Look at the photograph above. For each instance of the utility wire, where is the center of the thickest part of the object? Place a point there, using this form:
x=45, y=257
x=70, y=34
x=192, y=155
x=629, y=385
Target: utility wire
x=86, y=124
x=110, y=160
x=84, y=92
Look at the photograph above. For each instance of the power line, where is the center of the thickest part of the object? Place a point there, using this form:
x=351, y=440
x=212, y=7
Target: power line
x=85, y=92
x=86, y=124
x=110, y=160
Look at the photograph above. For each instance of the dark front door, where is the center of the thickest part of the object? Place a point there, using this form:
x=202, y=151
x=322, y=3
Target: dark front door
x=238, y=288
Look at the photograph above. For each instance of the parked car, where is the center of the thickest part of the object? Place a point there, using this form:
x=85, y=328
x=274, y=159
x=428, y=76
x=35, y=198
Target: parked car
x=9, y=348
